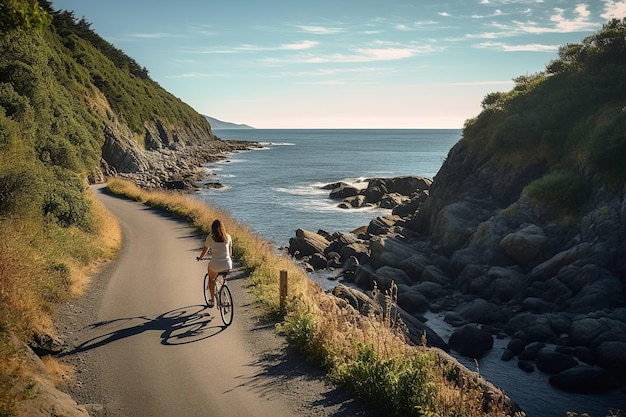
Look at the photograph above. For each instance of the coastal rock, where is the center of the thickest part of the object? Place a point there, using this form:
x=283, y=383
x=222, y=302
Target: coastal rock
x=343, y=190
x=471, y=341
x=583, y=379
x=612, y=355
x=411, y=300
x=479, y=311
x=389, y=193
x=390, y=251
x=387, y=275
x=552, y=362
x=307, y=243
x=525, y=245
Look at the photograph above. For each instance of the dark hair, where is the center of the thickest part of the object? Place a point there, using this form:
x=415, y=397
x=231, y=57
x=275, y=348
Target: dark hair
x=218, y=232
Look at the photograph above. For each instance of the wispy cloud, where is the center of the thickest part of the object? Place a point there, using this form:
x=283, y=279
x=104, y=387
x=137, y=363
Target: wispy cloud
x=328, y=72
x=300, y=45
x=534, y=47
x=614, y=9
x=496, y=13
x=581, y=22
x=320, y=30
x=372, y=55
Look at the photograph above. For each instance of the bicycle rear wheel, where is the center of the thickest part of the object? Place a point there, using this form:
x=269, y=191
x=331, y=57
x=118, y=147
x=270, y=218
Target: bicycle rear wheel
x=206, y=292
x=225, y=304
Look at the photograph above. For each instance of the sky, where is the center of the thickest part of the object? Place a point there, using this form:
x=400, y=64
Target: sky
x=342, y=63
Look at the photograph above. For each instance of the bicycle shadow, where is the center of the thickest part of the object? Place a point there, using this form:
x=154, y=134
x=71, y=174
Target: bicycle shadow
x=178, y=327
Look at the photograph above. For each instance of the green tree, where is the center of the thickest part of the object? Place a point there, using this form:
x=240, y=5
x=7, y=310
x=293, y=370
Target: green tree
x=22, y=14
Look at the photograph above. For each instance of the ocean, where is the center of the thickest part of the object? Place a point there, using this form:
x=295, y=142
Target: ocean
x=277, y=189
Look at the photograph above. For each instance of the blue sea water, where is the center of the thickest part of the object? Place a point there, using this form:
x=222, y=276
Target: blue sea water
x=276, y=190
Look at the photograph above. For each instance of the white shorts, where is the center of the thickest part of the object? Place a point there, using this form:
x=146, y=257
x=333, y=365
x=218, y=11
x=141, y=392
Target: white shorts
x=221, y=265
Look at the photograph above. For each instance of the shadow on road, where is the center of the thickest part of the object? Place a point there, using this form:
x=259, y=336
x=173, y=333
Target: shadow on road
x=180, y=326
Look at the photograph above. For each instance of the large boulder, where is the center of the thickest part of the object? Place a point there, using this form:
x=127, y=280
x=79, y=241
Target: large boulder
x=471, y=341
x=455, y=225
x=611, y=355
x=525, y=245
x=386, y=275
x=550, y=267
x=583, y=379
x=391, y=251
x=604, y=290
x=343, y=190
x=553, y=362
x=307, y=243
x=480, y=311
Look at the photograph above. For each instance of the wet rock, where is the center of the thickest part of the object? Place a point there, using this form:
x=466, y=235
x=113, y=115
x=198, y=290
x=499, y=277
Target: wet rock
x=471, y=341
x=525, y=245
x=553, y=362
x=583, y=379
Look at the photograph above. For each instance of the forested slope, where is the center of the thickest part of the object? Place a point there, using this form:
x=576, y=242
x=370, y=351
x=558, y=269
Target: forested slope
x=65, y=95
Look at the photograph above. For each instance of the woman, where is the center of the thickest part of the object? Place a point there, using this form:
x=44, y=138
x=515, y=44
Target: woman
x=221, y=246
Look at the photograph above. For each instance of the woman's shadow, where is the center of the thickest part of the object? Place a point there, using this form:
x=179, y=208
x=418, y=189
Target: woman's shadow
x=180, y=326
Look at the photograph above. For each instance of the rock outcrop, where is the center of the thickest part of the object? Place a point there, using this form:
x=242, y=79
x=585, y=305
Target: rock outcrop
x=479, y=252
x=401, y=194
x=171, y=158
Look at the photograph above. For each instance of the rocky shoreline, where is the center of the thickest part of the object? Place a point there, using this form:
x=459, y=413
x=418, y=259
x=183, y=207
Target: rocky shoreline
x=551, y=296
x=172, y=168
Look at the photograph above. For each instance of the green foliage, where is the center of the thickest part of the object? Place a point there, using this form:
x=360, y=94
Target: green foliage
x=564, y=192
x=403, y=385
x=607, y=149
x=65, y=202
x=127, y=86
x=22, y=14
x=568, y=119
x=299, y=328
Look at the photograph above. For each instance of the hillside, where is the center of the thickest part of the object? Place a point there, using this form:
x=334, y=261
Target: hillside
x=219, y=124
x=73, y=109
x=526, y=216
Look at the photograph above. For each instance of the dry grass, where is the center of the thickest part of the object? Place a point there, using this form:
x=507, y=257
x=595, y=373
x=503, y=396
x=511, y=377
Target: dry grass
x=62, y=375
x=41, y=265
x=330, y=332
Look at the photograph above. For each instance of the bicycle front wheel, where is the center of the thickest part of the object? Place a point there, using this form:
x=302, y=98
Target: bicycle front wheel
x=206, y=291
x=225, y=303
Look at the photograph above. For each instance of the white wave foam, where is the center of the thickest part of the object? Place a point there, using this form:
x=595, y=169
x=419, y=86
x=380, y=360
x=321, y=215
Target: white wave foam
x=301, y=191
x=360, y=182
x=277, y=144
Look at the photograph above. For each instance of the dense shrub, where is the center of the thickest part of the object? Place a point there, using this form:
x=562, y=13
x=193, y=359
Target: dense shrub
x=608, y=150
x=564, y=192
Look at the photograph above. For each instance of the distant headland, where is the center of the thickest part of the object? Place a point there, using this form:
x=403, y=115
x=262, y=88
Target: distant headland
x=219, y=124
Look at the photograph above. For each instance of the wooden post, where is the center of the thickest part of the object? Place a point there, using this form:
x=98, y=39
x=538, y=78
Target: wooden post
x=283, y=288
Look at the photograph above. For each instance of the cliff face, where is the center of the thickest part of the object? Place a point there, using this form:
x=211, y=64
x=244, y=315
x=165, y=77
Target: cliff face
x=527, y=215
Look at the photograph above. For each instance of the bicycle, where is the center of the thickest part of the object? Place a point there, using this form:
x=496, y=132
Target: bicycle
x=223, y=296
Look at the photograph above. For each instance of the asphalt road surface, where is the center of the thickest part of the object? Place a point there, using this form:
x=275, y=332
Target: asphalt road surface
x=151, y=348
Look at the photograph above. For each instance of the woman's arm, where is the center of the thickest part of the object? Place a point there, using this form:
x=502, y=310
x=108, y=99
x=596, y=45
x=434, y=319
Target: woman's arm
x=204, y=251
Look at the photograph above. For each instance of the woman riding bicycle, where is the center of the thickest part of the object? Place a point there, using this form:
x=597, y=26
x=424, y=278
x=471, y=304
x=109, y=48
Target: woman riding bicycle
x=221, y=246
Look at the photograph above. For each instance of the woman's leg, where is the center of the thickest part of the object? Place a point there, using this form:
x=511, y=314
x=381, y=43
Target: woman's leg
x=212, y=276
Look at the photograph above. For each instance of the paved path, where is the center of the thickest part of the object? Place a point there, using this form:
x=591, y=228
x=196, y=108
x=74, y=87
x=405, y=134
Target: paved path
x=161, y=352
